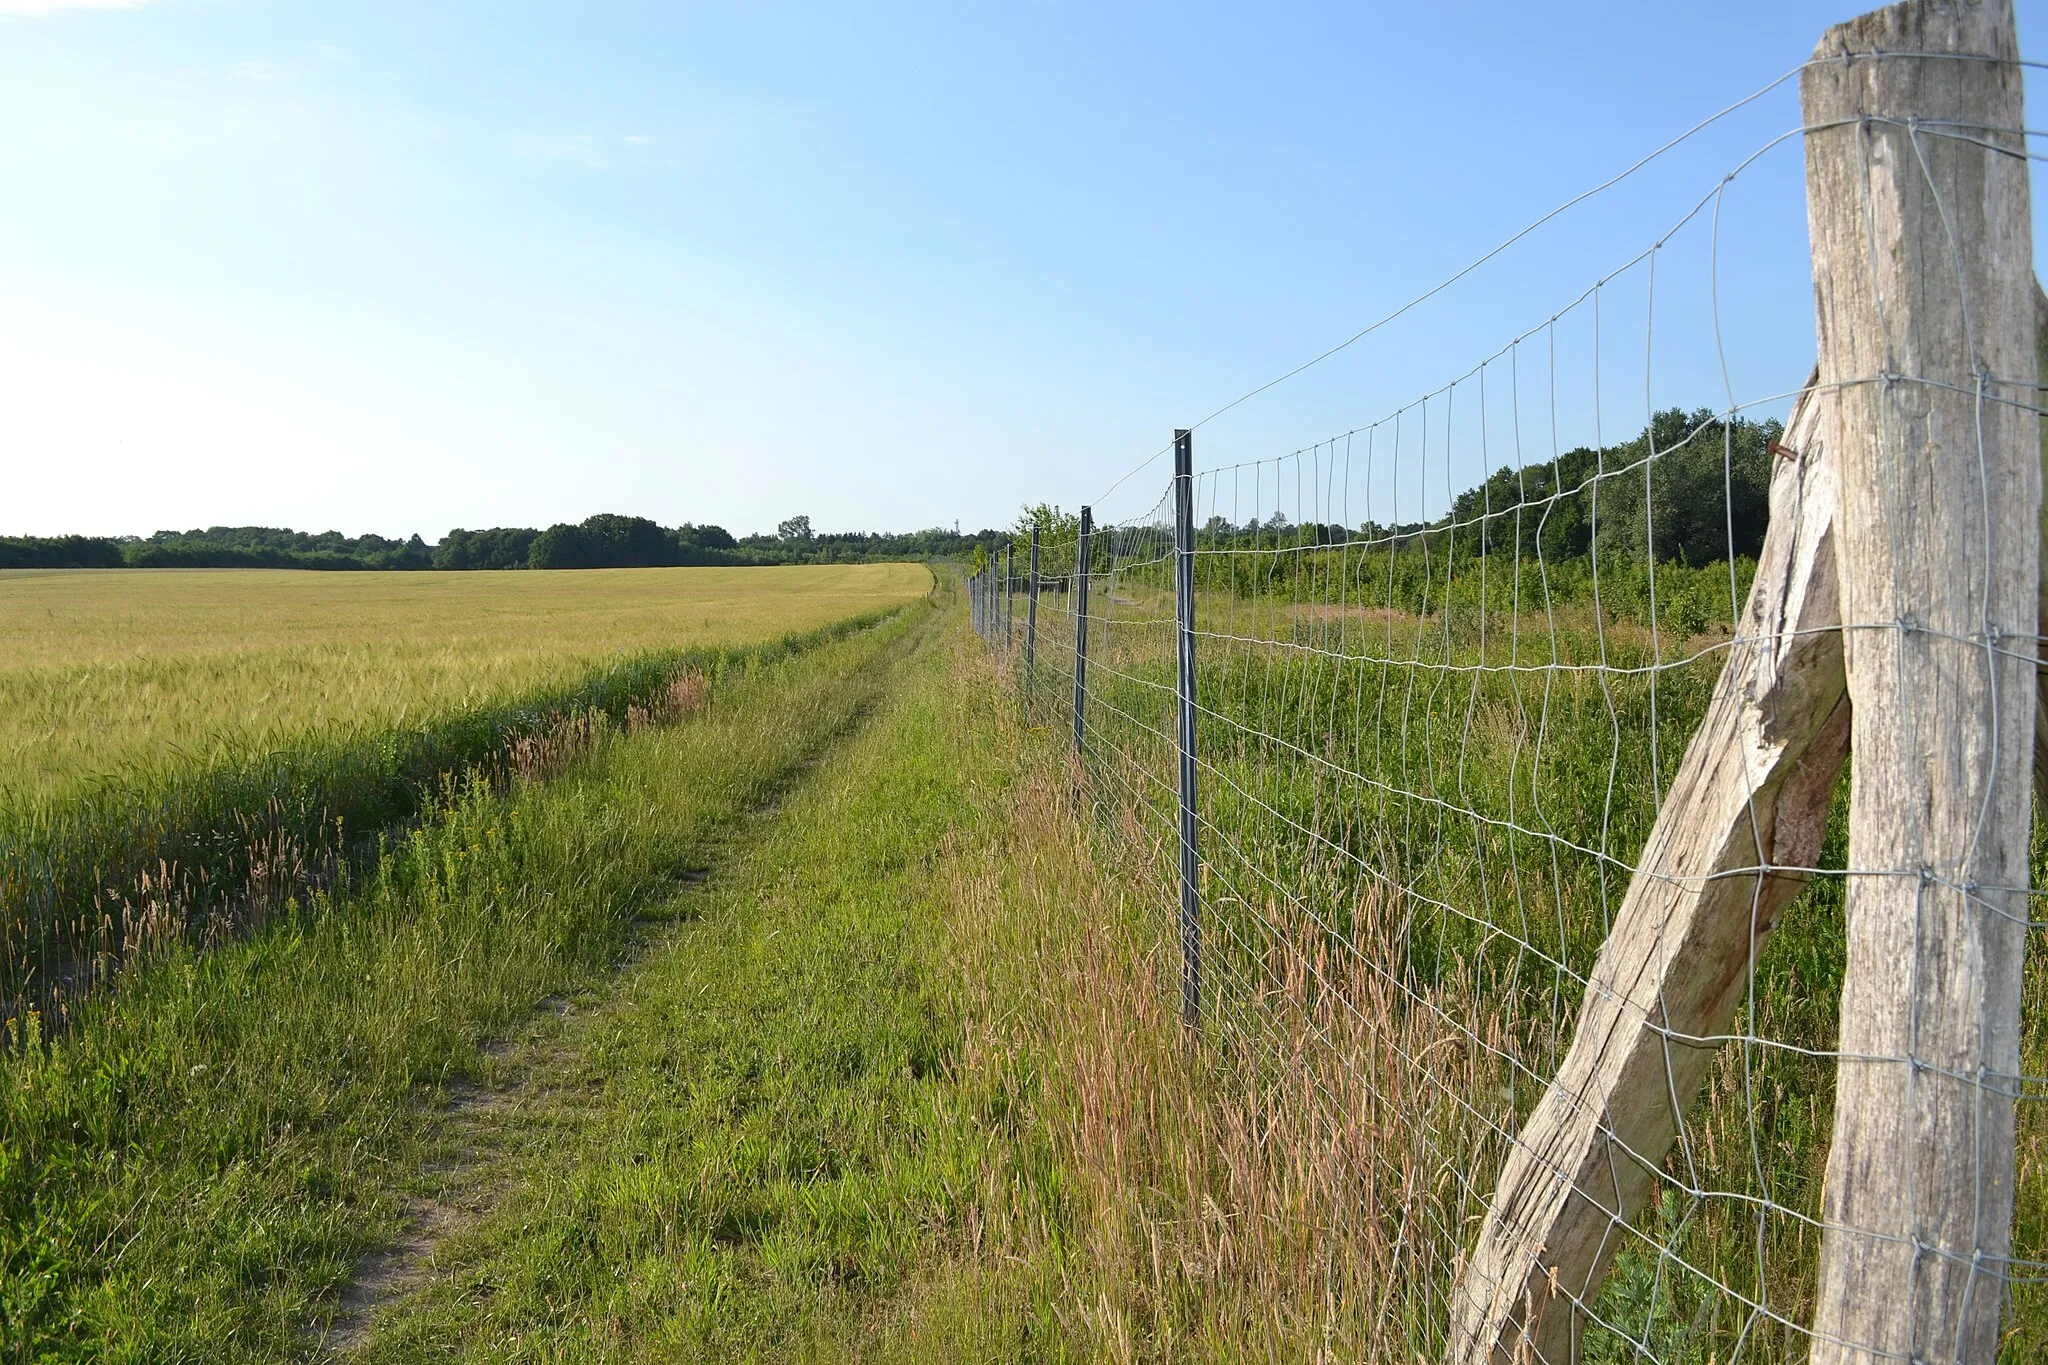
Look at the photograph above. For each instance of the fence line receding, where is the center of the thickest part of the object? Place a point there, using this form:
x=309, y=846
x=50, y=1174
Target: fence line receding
x=1617, y=856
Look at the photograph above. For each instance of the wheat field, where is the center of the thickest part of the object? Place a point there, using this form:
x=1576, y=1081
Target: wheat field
x=112, y=674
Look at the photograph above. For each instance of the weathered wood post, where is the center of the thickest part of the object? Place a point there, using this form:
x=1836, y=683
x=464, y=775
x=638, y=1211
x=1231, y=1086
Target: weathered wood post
x=1749, y=802
x=1924, y=297
x=1917, y=202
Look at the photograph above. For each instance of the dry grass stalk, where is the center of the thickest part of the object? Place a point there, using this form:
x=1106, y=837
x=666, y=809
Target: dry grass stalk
x=1289, y=1194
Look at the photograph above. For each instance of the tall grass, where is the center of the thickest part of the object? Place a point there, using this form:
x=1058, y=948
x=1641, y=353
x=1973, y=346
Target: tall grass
x=188, y=844
x=192, y=1169
x=1415, y=831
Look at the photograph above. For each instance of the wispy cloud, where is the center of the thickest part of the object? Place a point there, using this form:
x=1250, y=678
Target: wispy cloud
x=254, y=71
x=9, y=8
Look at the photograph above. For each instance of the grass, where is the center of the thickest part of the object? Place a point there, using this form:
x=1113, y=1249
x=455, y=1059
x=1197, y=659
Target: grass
x=109, y=674
x=895, y=1082
x=336, y=703
x=901, y=1079
x=750, y=1143
x=192, y=1170
x=901, y=1086
x=1411, y=854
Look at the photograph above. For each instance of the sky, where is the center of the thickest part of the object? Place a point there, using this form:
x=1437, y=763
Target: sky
x=398, y=268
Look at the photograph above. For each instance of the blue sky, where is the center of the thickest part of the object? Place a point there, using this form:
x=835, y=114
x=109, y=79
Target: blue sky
x=397, y=268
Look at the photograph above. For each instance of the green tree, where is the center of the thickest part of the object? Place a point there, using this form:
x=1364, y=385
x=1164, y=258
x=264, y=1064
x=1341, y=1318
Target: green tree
x=1692, y=489
x=1058, y=533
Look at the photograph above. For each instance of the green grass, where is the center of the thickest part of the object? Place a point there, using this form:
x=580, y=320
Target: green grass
x=336, y=703
x=194, y=1166
x=755, y=1143
x=901, y=1087
x=901, y=1079
x=904, y=1087
x=1410, y=861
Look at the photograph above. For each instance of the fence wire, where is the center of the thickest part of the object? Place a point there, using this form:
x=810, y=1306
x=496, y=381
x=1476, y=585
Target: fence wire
x=1448, y=667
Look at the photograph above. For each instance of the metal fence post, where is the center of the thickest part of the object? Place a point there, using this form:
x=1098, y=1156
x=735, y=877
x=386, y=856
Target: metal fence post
x=1031, y=617
x=1184, y=611
x=1009, y=592
x=1081, y=629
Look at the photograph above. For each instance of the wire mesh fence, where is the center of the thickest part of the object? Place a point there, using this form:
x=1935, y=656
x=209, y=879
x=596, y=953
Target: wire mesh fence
x=1509, y=827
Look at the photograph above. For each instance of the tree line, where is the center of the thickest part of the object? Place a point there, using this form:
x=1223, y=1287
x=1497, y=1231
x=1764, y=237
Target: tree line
x=604, y=541
x=1666, y=526
x=1692, y=490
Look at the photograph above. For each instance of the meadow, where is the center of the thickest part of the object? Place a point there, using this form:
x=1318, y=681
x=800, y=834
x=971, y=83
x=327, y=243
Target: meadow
x=803, y=1020
x=1420, y=802
x=184, y=750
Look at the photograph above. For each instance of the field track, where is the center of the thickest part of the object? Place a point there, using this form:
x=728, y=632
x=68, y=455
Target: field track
x=283, y=1105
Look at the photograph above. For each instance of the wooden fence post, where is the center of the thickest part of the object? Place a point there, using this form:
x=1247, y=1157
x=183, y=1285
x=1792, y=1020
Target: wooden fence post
x=1748, y=807
x=1918, y=211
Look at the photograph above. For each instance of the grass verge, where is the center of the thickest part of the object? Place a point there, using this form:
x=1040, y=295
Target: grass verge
x=904, y=1086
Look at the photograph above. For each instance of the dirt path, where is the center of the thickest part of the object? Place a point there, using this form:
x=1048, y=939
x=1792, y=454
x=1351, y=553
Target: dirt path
x=483, y=1133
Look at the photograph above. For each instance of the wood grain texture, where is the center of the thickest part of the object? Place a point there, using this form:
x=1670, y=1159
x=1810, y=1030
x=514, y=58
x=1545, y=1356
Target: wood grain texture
x=1923, y=282
x=1752, y=792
